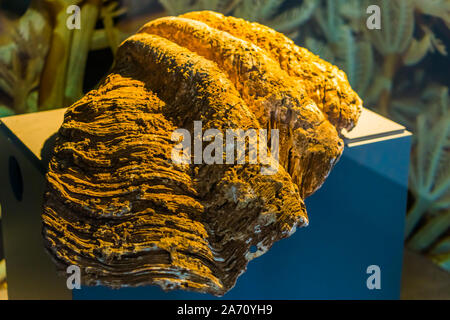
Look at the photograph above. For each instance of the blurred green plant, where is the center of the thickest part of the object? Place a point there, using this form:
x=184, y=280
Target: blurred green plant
x=430, y=175
x=2, y=272
x=23, y=48
x=43, y=62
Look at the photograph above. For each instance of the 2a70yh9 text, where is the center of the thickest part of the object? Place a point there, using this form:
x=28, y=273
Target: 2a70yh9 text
x=246, y=309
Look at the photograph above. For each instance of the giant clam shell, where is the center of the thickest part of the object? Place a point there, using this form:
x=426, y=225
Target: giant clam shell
x=118, y=206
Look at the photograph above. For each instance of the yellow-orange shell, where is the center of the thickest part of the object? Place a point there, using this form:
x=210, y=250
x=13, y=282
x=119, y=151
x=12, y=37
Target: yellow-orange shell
x=117, y=206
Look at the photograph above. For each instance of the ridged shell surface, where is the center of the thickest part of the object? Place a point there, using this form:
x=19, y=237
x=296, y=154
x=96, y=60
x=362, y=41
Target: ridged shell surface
x=120, y=208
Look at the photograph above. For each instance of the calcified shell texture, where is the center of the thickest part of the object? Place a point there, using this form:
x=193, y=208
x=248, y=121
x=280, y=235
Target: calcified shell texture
x=118, y=206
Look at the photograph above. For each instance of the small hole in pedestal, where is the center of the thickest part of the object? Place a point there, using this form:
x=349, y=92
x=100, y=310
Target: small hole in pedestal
x=15, y=178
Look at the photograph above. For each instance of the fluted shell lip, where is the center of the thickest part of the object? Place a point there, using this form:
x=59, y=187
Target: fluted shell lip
x=118, y=206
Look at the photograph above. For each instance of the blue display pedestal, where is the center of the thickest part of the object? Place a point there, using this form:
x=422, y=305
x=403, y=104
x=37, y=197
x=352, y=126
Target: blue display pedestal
x=356, y=221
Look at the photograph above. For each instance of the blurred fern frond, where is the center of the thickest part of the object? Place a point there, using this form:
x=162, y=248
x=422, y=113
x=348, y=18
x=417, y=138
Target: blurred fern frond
x=22, y=55
x=268, y=12
x=295, y=17
x=418, y=49
x=430, y=172
x=330, y=21
x=2, y=271
x=436, y=8
x=177, y=7
x=20, y=76
x=397, y=28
